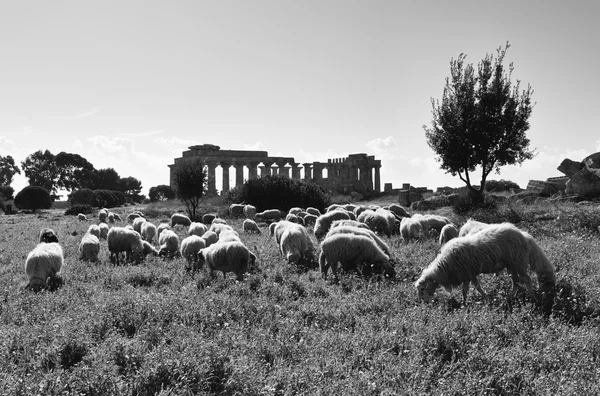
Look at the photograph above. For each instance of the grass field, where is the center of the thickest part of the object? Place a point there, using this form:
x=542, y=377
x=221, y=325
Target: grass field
x=155, y=329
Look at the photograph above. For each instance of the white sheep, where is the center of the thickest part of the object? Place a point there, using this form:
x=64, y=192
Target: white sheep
x=148, y=248
x=169, y=243
x=137, y=224
x=197, y=229
x=333, y=207
x=492, y=249
x=447, y=233
x=377, y=222
x=393, y=222
x=313, y=211
x=250, y=225
x=292, y=217
x=268, y=215
x=218, y=220
x=161, y=227
x=43, y=263
x=398, y=210
x=81, y=217
x=181, y=219
x=236, y=210
x=122, y=239
x=229, y=236
x=227, y=257
x=276, y=229
x=117, y=217
x=148, y=231
x=102, y=215
x=350, y=229
x=210, y=237
x=103, y=230
x=310, y=219
x=436, y=222
x=352, y=251
x=295, y=243
x=411, y=228
x=190, y=246
x=471, y=227
x=217, y=228
x=324, y=221
x=111, y=217
x=249, y=211
x=89, y=248
x=47, y=235
x=132, y=216
x=94, y=230
x=352, y=223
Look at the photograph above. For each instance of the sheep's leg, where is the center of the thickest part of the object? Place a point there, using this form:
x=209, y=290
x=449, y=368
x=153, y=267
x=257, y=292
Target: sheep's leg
x=527, y=281
x=478, y=286
x=465, y=291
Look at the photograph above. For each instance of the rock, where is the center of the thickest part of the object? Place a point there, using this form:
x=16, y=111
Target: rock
x=360, y=188
x=403, y=198
x=569, y=167
x=415, y=196
x=541, y=188
x=559, y=182
x=592, y=161
x=585, y=183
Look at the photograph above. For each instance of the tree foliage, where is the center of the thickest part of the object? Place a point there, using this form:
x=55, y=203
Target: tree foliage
x=481, y=121
x=8, y=170
x=6, y=192
x=33, y=198
x=162, y=192
x=74, y=171
x=41, y=170
x=189, y=179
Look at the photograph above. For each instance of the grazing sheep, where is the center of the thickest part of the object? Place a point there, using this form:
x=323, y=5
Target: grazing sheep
x=117, y=217
x=148, y=248
x=295, y=243
x=301, y=215
x=350, y=207
x=436, y=222
x=181, y=219
x=208, y=218
x=81, y=217
x=137, y=224
x=129, y=227
x=324, y=221
x=111, y=217
x=102, y=215
x=103, y=230
x=333, y=207
x=161, y=227
x=411, y=228
x=448, y=232
x=492, y=249
x=169, y=244
x=89, y=248
x=132, y=216
x=471, y=227
x=236, y=210
x=250, y=226
x=313, y=211
x=190, y=246
x=227, y=257
x=352, y=251
x=148, y=231
x=43, y=262
x=278, y=228
x=310, y=219
x=218, y=220
x=249, y=211
x=94, y=230
x=268, y=215
x=122, y=239
x=210, y=238
x=47, y=235
x=392, y=221
x=197, y=229
x=359, y=209
x=295, y=210
x=398, y=210
x=292, y=217
x=349, y=229
x=217, y=228
x=377, y=222
x=229, y=236
x=352, y=223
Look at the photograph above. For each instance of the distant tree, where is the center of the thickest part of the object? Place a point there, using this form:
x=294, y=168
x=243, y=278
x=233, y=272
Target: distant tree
x=7, y=170
x=162, y=192
x=41, y=170
x=74, y=171
x=131, y=186
x=83, y=196
x=33, y=198
x=106, y=179
x=501, y=185
x=189, y=178
x=6, y=192
x=481, y=121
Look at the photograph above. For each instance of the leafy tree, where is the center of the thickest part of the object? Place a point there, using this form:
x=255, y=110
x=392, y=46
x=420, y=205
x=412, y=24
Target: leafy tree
x=162, y=192
x=33, y=198
x=481, y=121
x=74, y=171
x=83, y=196
x=41, y=170
x=6, y=192
x=131, y=186
x=7, y=170
x=106, y=179
x=189, y=179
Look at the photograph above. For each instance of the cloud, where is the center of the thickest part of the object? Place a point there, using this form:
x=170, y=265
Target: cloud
x=384, y=148
x=4, y=141
x=142, y=134
x=258, y=146
x=174, y=144
x=85, y=113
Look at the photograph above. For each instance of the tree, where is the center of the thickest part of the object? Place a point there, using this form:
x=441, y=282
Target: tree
x=7, y=170
x=41, y=170
x=33, y=198
x=162, y=192
x=481, y=121
x=189, y=179
x=130, y=185
x=6, y=192
x=74, y=171
x=106, y=179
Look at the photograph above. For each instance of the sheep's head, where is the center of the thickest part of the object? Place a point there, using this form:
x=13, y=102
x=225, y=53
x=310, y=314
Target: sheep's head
x=425, y=288
x=48, y=235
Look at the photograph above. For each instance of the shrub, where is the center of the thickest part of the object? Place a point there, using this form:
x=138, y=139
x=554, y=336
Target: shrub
x=109, y=198
x=6, y=192
x=76, y=209
x=33, y=198
x=501, y=185
x=467, y=202
x=279, y=192
x=84, y=196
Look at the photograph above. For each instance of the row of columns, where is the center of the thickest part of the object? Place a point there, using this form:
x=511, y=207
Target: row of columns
x=312, y=170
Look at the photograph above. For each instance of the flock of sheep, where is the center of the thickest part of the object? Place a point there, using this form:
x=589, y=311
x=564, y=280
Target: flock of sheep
x=350, y=236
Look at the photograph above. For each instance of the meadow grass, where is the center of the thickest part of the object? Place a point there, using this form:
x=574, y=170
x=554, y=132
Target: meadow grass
x=154, y=328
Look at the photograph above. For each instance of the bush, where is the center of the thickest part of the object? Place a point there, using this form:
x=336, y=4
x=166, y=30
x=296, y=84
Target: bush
x=109, y=198
x=6, y=192
x=467, y=202
x=279, y=192
x=501, y=185
x=84, y=196
x=33, y=198
x=76, y=209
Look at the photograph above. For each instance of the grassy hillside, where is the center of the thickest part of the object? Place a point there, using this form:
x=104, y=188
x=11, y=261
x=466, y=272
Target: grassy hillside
x=152, y=328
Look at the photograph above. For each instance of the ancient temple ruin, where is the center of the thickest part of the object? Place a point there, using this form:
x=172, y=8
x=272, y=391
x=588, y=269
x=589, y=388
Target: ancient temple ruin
x=357, y=172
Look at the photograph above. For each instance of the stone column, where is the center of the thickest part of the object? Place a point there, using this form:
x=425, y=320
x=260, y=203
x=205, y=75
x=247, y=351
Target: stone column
x=212, y=187
x=307, y=171
x=317, y=171
x=252, y=170
x=282, y=170
x=225, y=166
x=295, y=170
x=239, y=174
x=266, y=169
x=363, y=174
x=378, y=179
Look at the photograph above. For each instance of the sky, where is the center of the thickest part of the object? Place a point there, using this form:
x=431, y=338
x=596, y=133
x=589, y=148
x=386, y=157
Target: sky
x=130, y=85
